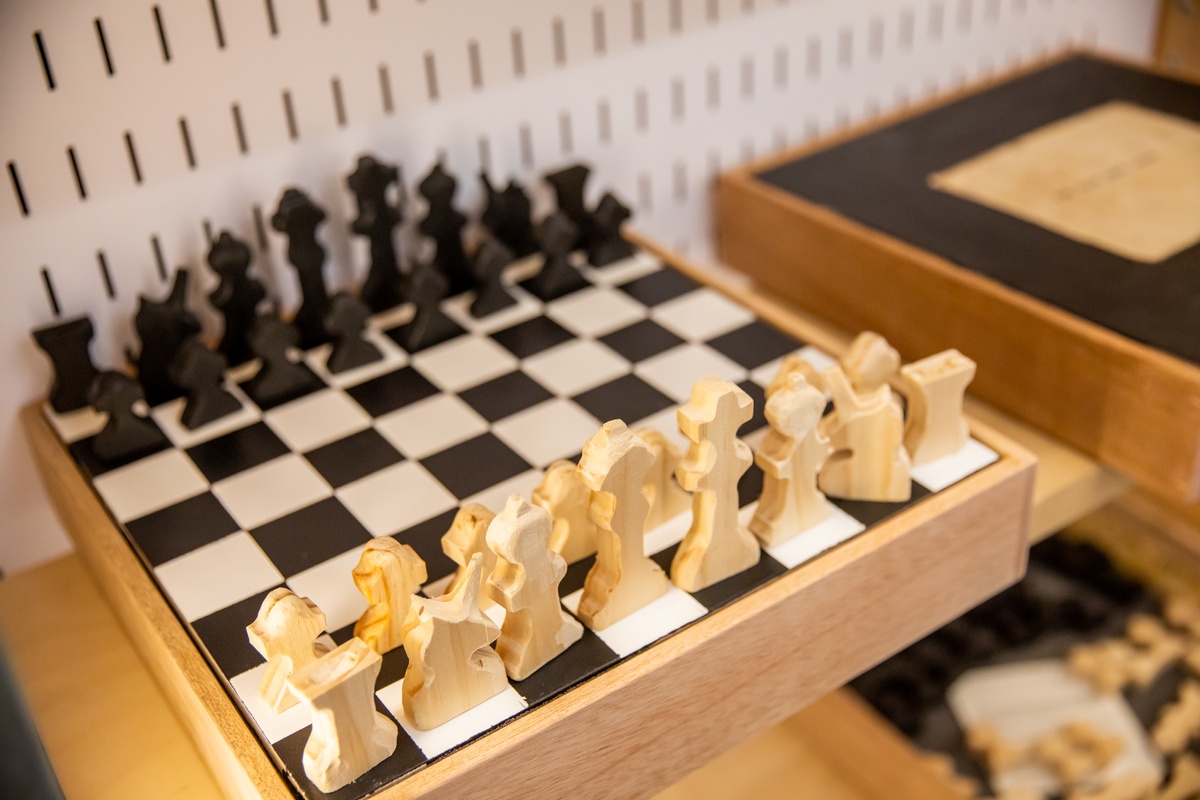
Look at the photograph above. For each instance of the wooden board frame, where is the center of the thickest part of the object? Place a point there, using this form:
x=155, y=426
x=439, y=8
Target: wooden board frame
x=664, y=712
x=1147, y=403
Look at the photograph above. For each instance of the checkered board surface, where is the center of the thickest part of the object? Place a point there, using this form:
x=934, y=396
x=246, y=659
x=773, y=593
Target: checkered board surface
x=289, y=494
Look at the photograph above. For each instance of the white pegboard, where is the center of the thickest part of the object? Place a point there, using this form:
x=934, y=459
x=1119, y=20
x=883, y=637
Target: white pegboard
x=168, y=119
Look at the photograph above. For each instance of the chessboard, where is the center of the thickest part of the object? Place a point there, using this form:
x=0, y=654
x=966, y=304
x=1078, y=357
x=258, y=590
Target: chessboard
x=288, y=494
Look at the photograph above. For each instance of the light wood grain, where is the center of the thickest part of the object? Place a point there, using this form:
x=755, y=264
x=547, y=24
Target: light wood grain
x=387, y=575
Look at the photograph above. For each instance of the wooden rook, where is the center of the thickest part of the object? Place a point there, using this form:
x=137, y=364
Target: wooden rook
x=623, y=579
x=666, y=497
x=285, y=633
x=525, y=582
x=869, y=461
x=349, y=736
x=935, y=390
x=451, y=665
x=387, y=574
x=565, y=496
x=67, y=344
x=791, y=457
x=466, y=538
x=716, y=546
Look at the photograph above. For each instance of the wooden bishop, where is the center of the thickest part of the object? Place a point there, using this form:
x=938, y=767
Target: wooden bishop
x=285, y=633
x=791, y=456
x=935, y=388
x=623, y=579
x=466, y=537
x=716, y=546
x=525, y=582
x=667, y=498
x=451, y=665
x=388, y=574
x=563, y=494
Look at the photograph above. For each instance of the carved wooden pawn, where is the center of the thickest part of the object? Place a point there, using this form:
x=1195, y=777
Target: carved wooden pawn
x=349, y=736
x=525, y=582
x=791, y=456
x=451, y=665
x=795, y=363
x=935, y=388
x=468, y=536
x=565, y=496
x=716, y=546
x=285, y=633
x=387, y=574
x=666, y=497
x=623, y=579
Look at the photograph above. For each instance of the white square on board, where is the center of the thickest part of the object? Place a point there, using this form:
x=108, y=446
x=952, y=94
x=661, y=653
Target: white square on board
x=548, y=431
x=575, y=367
x=330, y=585
x=464, y=362
x=595, y=311
x=75, y=425
x=838, y=527
x=494, y=497
x=274, y=726
x=621, y=272
x=675, y=372
x=701, y=315
x=268, y=491
x=458, y=308
x=819, y=359
x=431, y=425
x=395, y=498
x=648, y=624
x=949, y=470
x=317, y=419
x=451, y=734
x=150, y=484
x=217, y=575
x=169, y=414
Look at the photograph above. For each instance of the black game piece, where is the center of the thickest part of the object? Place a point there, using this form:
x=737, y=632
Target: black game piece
x=237, y=295
x=606, y=245
x=490, y=262
x=376, y=220
x=199, y=372
x=346, y=320
x=126, y=434
x=162, y=327
x=67, y=346
x=429, y=326
x=509, y=216
x=557, y=277
x=298, y=217
x=279, y=379
x=444, y=224
x=568, y=190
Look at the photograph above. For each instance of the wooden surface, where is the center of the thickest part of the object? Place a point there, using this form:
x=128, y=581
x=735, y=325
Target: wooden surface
x=1127, y=404
x=1179, y=38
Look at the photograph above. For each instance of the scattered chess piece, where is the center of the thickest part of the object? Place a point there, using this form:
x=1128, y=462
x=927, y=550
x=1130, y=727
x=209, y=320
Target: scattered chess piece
x=429, y=325
x=67, y=345
x=388, y=574
x=935, y=390
x=298, y=217
x=444, y=224
x=349, y=736
x=285, y=634
x=491, y=296
x=716, y=546
x=508, y=215
x=467, y=538
x=568, y=185
x=565, y=497
x=237, y=296
x=162, y=326
x=278, y=379
x=200, y=372
x=345, y=322
x=557, y=277
x=525, y=582
x=377, y=219
x=127, y=433
x=666, y=497
x=606, y=245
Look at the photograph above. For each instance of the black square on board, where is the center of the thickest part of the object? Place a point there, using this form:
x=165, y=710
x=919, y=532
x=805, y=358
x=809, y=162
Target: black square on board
x=237, y=451
x=759, y=396
x=755, y=344
x=310, y=384
x=426, y=538
x=181, y=528
x=576, y=576
x=750, y=486
x=574, y=282
x=641, y=340
x=628, y=398
x=871, y=513
x=395, y=661
x=475, y=465
x=505, y=396
x=305, y=538
x=223, y=634
x=354, y=457
x=659, y=287
x=96, y=466
x=440, y=329
x=394, y=390
x=732, y=588
x=532, y=336
x=574, y=665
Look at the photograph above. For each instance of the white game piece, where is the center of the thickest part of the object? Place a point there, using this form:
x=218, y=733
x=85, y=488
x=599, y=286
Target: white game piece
x=716, y=546
x=451, y=665
x=387, y=574
x=285, y=633
x=791, y=457
x=466, y=537
x=623, y=579
x=348, y=735
x=563, y=494
x=935, y=388
x=794, y=362
x=666, y=497
x=525, y=581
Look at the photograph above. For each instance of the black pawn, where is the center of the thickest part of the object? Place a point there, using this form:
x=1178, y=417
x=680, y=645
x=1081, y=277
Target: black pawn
x=444, y=224
x=200, y=372
x=67, y=346
x=490, y=262
x=162, y=327
x=237, y=296
x=557, y=277
x=606, y=245
x=376, y=220
x=126, y=434
x=298, y=218
x=429, y=326
x=346, y=320
x=509, y=216
x=279, y=379
x=568, y=187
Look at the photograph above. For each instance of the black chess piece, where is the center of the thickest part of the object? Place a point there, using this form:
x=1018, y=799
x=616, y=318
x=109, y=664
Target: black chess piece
x=237, y=296
x=200, y=372
x=126, y=434
x=298, y=217
x=429, y=325
x=557, y=276
x=491, y=295
x=606, y=245
x=509, y=216
x=568, y=185
x=279, y=379
x=162, y=327
x=376, y=220
x=346, y=320
x=67, y=345
x=444, y=224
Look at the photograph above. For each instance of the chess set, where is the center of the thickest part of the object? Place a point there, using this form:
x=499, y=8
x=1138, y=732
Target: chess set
x=404, y=520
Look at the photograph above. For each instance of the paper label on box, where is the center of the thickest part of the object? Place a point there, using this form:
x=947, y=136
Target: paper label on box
x=1118, y=176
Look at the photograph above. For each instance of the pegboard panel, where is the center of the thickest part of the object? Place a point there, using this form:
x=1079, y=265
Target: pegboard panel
x=134, y=130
